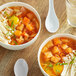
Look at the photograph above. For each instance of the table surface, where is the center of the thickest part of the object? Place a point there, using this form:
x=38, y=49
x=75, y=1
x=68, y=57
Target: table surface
x=8, y=57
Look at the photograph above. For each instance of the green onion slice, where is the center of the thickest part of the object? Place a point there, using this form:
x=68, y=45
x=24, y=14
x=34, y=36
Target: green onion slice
x=12, y=24
x=15, y=42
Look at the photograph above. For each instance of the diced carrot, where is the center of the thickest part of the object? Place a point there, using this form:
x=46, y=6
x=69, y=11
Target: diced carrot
x=20, y=40
x=64, y=46
x=26, y=21
x=49, y=44
x=55, y=59
x=57, y=41
x=68, y=50
x=29, y=27
x=18, y=33
x=55, y=50
x=20, y=27
x=48, y=54
x=30, y=15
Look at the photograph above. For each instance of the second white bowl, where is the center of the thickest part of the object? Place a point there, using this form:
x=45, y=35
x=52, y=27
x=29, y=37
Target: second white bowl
x=44, y=43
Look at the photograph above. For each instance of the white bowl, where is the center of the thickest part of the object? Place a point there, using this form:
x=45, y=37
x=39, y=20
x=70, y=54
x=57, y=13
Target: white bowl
x=44, y=43
x=22, y=46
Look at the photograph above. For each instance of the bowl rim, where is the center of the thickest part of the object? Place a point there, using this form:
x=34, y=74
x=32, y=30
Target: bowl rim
x=36, y=14
x=44, y=43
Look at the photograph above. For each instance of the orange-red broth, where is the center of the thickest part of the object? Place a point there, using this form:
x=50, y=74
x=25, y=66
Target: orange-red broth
x=27, y=26
x=53, y=52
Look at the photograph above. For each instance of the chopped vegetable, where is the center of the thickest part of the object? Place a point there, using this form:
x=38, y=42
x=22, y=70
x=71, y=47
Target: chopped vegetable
x=20, y=27
x=5, y=12
x=61, y=63
x=9, y=34
x=17, y=33
x=68, y=50
x=29, y=27
x=26, y=21
x=12, y=24
x=26, y=36
x=20, y=40
x=74, y=53
x=49, y=44
x=57, y=41
x=72, y=61
x=14, y=36
x=55, y=59
x=50, y=65
x=9, y=27
x=64, y=46
x=48, y=54
x=15, y=43
x=55, y=50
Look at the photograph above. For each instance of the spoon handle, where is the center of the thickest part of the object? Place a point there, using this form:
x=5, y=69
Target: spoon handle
x=51, y=3
x=51, y=7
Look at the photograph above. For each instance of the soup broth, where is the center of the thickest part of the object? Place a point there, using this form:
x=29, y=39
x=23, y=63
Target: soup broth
x=20, y=25
x=53, y=54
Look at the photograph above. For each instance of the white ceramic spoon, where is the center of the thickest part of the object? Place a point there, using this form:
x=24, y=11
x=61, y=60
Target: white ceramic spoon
x=52, y=22
x=21, y=68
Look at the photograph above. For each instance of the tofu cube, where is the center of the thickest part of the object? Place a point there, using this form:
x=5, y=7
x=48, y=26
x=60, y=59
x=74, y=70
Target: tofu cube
x=29, y=27
x=64, y=46
x=26, y=36
x=68, y=50
x=49, y=44
x=20, y=40
x=48, y=54
x=55, y=50
x=55, y=59
x=20, y=27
